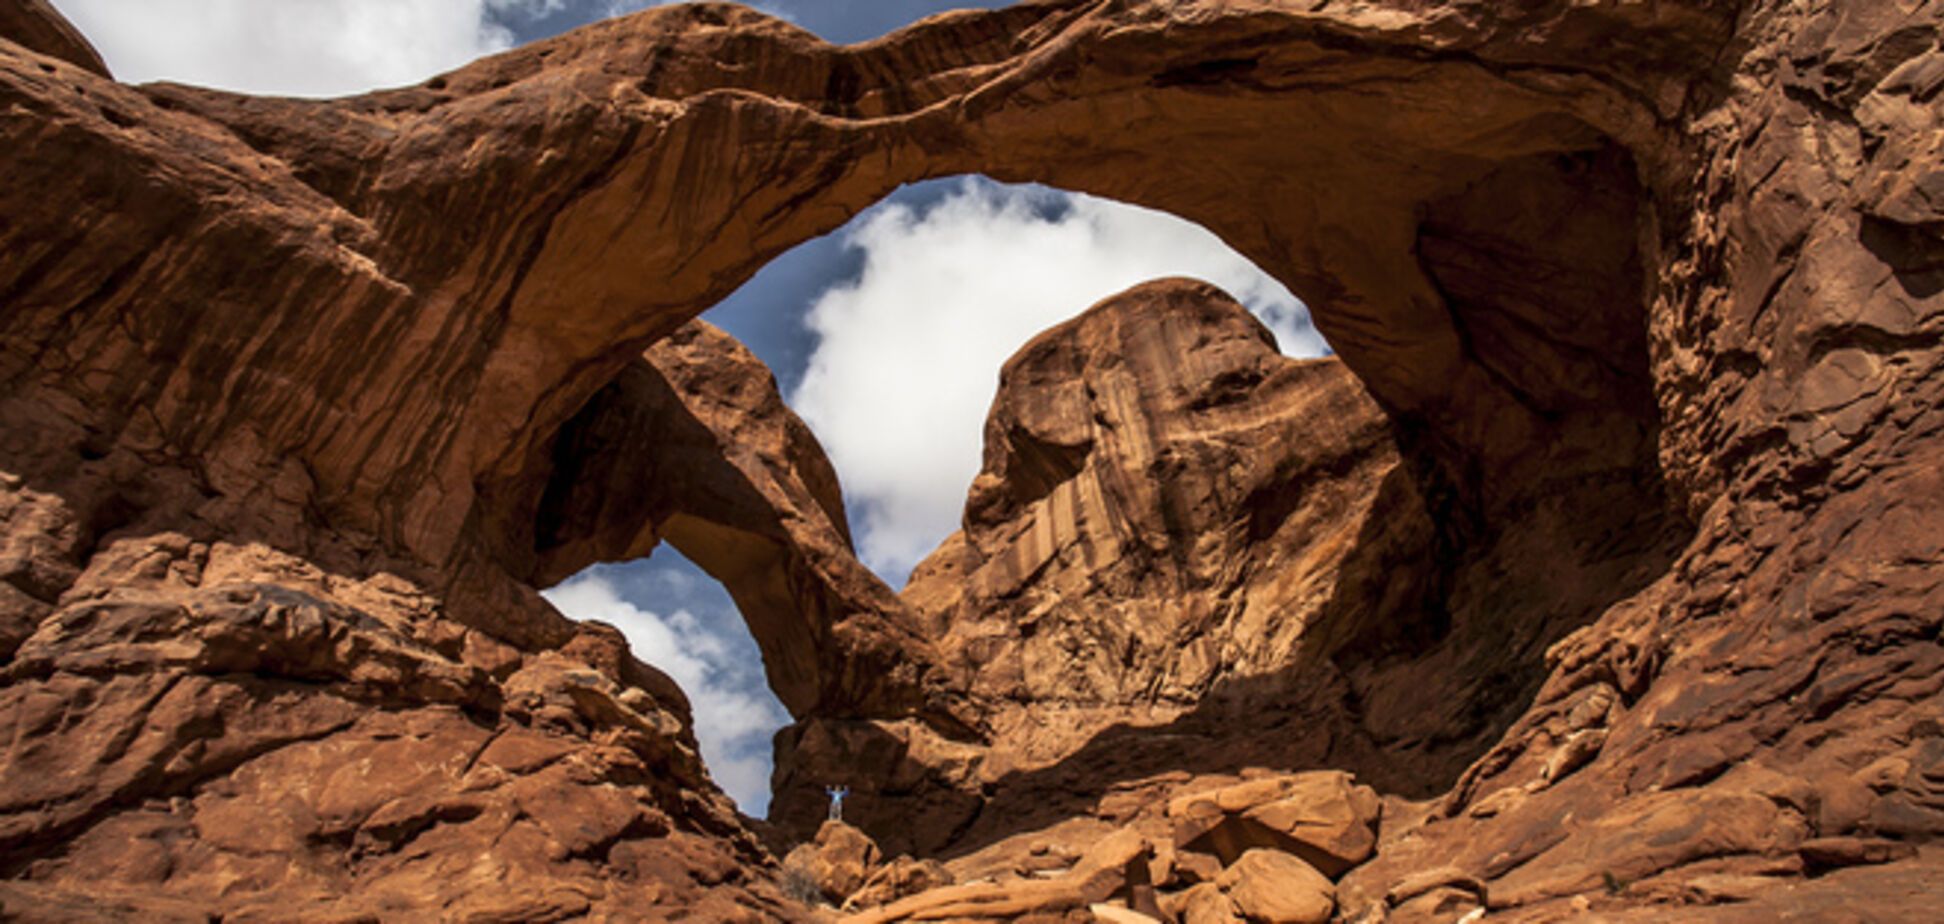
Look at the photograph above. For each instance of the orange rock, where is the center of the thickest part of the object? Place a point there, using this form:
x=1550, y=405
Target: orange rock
x=1271, y=887
x=1626, y=479
x=982, y=901
x=644, y=461
x=1117, y=914
x=36, y=25
x=840, y=861
x=901, y=877
x=1206, y=904
x=1321, y=816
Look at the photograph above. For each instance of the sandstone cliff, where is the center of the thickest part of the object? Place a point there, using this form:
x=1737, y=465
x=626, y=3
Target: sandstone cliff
x=1643, y=304
x=276, y=718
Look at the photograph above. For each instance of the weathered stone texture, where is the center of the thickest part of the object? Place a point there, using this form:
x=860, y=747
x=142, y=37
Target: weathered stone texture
x=1609, y=549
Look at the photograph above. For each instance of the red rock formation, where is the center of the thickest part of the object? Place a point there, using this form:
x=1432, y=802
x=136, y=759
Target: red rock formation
x=37, y=26
x=1649, y=293
x=1171, y=516
x=1189, y=553
x=693, y=444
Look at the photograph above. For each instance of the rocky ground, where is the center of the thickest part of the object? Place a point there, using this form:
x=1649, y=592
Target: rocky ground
x=1600, y=574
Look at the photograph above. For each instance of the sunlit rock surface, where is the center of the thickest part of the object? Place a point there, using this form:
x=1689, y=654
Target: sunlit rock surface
x=1638, y=310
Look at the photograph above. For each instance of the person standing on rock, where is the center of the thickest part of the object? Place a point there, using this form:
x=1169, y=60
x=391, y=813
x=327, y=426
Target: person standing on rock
x=837, y=794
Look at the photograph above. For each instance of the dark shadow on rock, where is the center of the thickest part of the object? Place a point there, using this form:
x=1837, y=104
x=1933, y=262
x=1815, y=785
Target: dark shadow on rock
x=1431, y=647
x=1914, y=253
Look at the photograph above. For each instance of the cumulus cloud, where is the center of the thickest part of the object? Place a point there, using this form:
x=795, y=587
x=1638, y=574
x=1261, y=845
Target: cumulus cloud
x=293, y=47
x=908, y=353
x=709, y=653
x=533, y=9
x=317, y=48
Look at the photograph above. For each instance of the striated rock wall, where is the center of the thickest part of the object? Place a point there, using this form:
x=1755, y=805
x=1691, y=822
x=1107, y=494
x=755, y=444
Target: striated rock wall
x=1649, y=295
x=1188, y=555
x=1169, y=515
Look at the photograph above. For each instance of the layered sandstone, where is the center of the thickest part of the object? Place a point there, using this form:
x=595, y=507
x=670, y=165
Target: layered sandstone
x=1646, y=300
x=37, y=26
x=278, y=723
x=1266, y=848
x=1170, y=515
x=1188, y=554
x=693, y=445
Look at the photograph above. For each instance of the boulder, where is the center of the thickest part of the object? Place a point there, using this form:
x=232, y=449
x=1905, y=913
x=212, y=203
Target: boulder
x=1321, y=816
x=897, y=879
x=1270, y=887
x=1205, y=903
x=839, y=861
x=1118, y=914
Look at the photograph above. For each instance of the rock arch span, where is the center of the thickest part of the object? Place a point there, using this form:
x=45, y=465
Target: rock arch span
x=521, y=229
x=1564, y=245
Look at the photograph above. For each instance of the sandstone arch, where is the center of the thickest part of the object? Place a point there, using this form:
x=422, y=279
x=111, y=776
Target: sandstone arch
x=1733, y=203
x=691, y=444
x=502, y=224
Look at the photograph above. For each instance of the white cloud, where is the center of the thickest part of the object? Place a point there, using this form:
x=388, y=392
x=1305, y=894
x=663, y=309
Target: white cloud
x=532, y=9
x=316, y=48
x=290, y=47
x=735, y=714
x=624, y=7
x=908, y=354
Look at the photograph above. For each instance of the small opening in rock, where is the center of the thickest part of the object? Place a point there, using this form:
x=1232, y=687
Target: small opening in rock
x=681, y=621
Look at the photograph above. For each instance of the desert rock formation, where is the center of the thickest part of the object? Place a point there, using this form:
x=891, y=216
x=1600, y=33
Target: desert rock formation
x=1173, y=520
x=1635, y=463
x=37, y=26
x=196, y=712
x=692, y=444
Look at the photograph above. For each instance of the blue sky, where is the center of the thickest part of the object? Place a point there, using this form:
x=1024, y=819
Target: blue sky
x=886, y=336
x=840, y=21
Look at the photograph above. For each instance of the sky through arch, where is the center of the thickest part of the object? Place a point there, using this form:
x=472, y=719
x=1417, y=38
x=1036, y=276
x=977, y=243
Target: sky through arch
x=888, y=334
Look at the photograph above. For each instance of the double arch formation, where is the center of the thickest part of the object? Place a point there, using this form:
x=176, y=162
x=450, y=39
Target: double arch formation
x=1537, y=236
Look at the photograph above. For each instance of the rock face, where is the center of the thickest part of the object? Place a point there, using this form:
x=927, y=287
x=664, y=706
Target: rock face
x=195, y=711
x=1187, y=552
x=37, y=26
x=1144, y=477
x=1619, y=551
x=200, y=720
x=1144, y=871
x=1169, y=512
x=693, y=444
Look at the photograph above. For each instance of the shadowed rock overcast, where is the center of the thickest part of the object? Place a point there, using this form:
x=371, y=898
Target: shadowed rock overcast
x=1596, y=575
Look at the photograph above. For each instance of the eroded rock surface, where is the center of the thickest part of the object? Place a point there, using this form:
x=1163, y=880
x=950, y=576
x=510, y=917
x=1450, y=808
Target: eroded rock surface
x=693, y=445
x=1189, y=553
x=838, y=861
x=1643, y=305
x=1146, y=872
x=231, y=721
x=37, y=26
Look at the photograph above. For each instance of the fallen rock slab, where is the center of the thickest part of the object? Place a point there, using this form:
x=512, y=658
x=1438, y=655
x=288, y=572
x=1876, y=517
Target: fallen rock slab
x=1268, y=887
